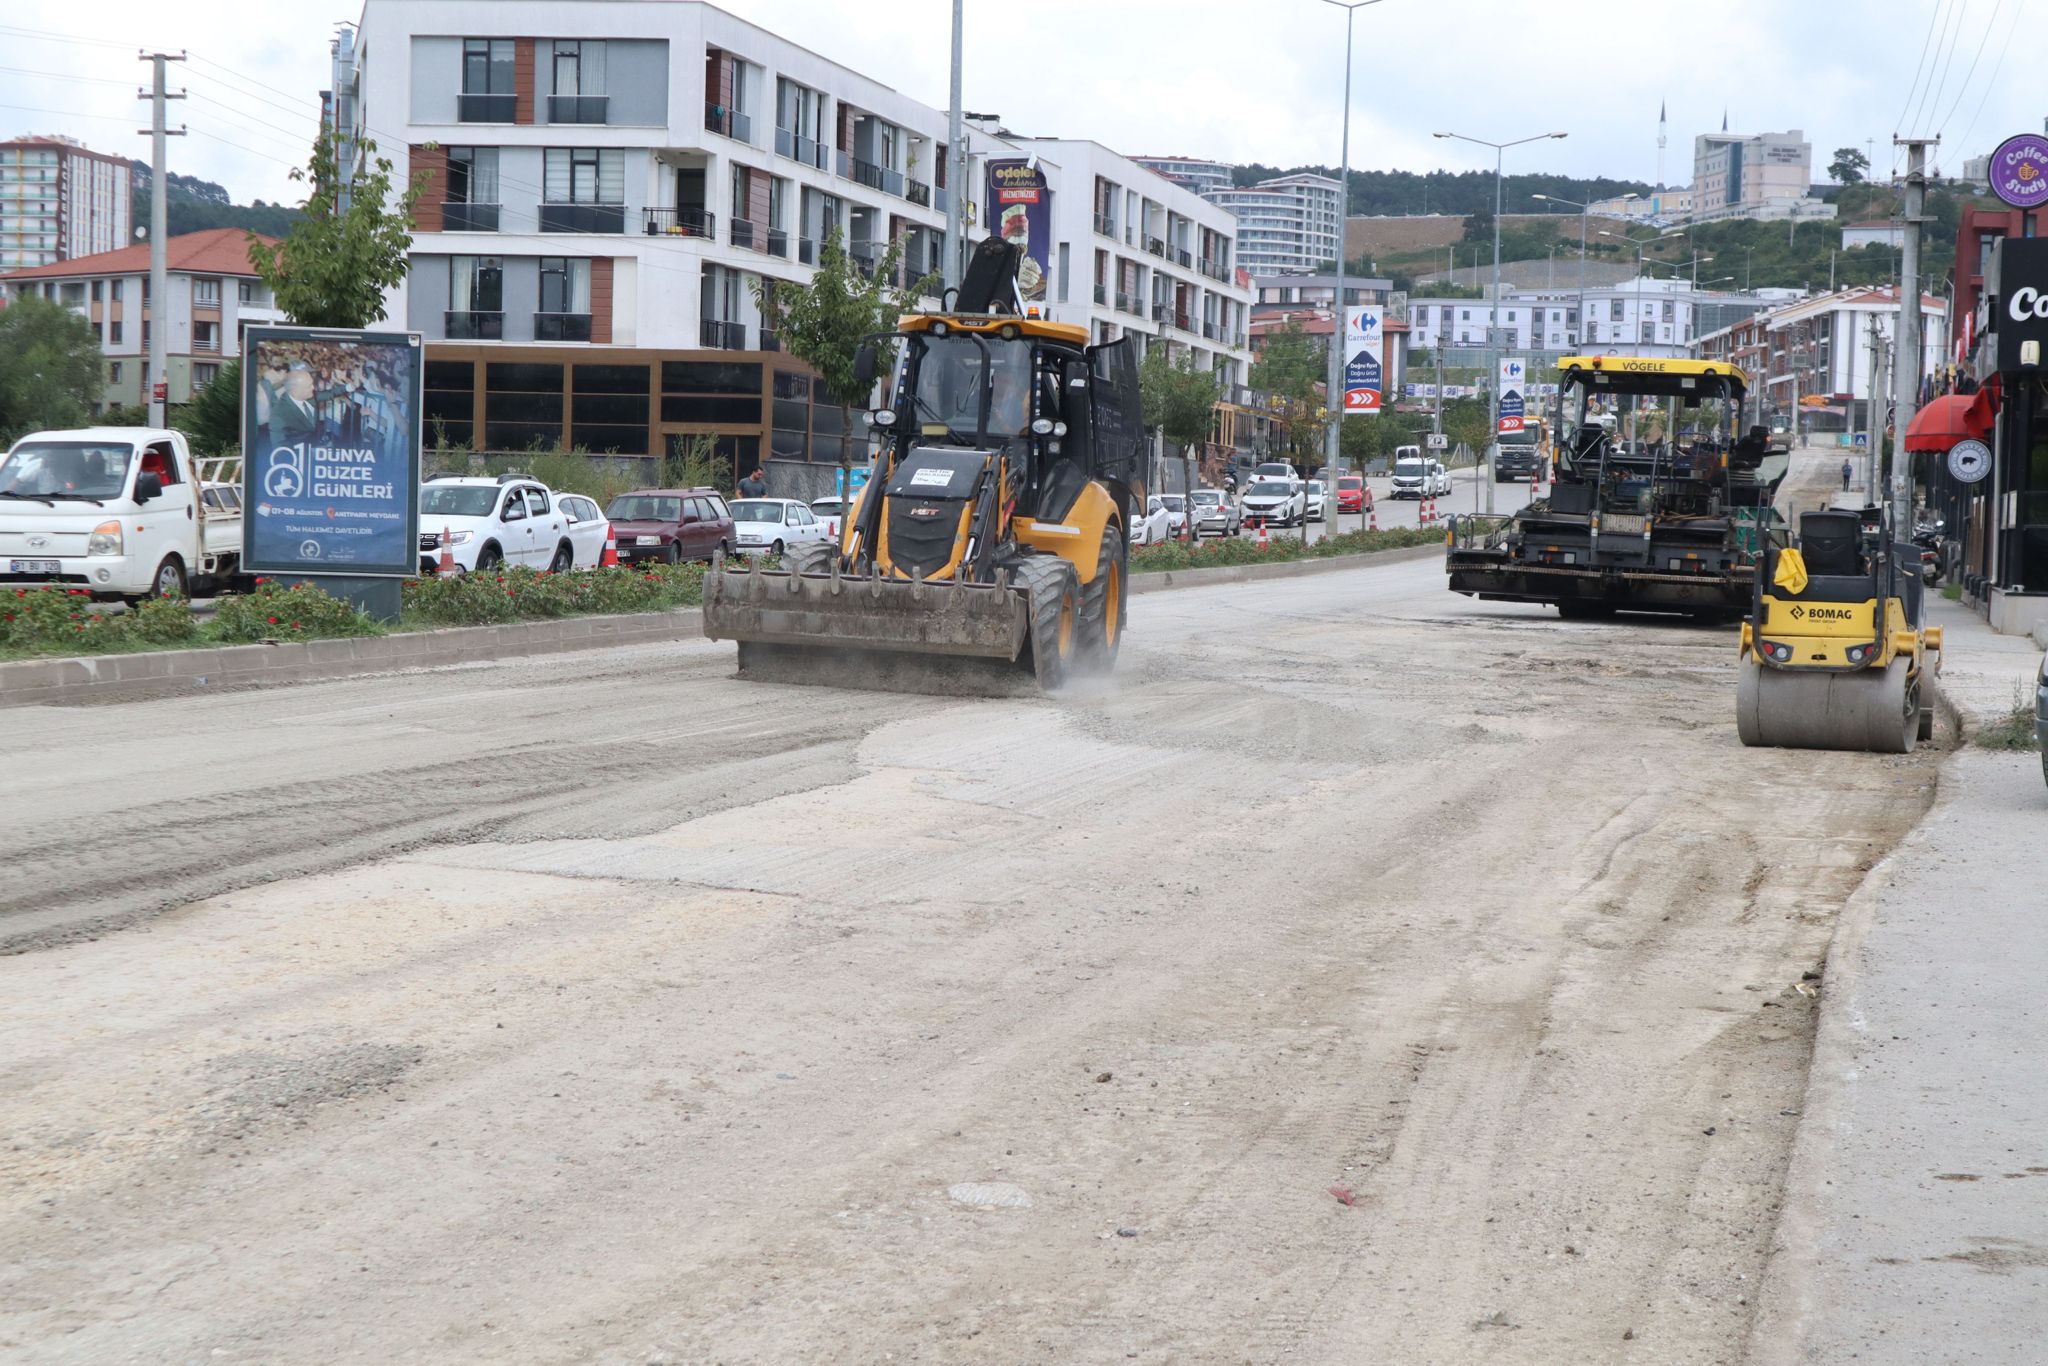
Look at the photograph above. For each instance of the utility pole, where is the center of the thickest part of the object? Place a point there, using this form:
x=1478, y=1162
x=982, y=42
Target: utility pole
x=1906, y=366
x=957, y=154
x=159, y=310
x=1873, y=395
x=1340, y=312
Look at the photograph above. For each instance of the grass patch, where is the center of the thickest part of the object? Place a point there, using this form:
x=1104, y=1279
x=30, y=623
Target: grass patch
x=1234, y=550
x=1952, y=591
x=2013, y=731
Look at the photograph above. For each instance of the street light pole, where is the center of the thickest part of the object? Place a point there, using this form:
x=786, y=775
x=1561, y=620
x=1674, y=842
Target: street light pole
x=1584, y=210
x=1340, y=312
x=1493, y=348
x=950, y=276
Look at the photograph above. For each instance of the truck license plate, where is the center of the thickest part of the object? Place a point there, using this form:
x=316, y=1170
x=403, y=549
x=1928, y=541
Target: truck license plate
x=35, y=566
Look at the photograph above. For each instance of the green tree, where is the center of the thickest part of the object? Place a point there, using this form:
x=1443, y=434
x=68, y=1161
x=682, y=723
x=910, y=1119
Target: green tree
x=847, y=301
x=333, y=268
x=50, y=367
x=1849, y=167
x=1179, y=398
x=1291, y=369
x=213, y=419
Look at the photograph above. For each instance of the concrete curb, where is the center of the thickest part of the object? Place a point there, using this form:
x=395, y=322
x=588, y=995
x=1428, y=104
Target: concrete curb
x=98, y=678
x=1287, y=569
x=114, y=678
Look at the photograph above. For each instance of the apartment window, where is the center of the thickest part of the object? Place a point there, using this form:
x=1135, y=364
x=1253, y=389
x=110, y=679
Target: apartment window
x=565, y=284
x=487, y=81
x=205, y=336
x=206, y=293
x=472, y=203
x=115, y=293
x=1614, y=310
x=95, y=291
x=145, y=291
x=799, y=123
x=114, y=332
x=585, y=175
x=476, y=298
x=1464, y=315
x=245, y=291
x=113, y=372
x=204, y=374
x=579, y=92
x=145, y=332
x=1668, y=307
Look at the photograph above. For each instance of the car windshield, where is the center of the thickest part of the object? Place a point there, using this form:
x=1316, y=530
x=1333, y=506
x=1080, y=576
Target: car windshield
x=1275, y=472
x=458, y=500
x=1271, y=489
x=1409, y=469
x=642, y=507
x=1351, y=481
x=1315, y=486
x=756, y=510
x=1208, y=497
x=1174, y=502
x=957, y=372
x=828, y=506
x=66, y=469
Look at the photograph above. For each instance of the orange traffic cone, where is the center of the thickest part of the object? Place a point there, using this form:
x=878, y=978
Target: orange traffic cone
x=1425, y=512
x=445, y=566
x=1372, y=513
x=1262, y=533
x=610, y=558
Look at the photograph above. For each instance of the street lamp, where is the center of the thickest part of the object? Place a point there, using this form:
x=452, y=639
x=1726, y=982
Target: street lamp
x=1641, y=244
x=1583, y=209
x=1340, y=313
x=1493, y=306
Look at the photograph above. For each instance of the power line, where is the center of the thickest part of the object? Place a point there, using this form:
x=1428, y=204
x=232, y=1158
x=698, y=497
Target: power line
x=51, y=36
x=1964, y=88
x=65, y=76
x=1900, y=123
x=1956, y=33
x=1991, y=82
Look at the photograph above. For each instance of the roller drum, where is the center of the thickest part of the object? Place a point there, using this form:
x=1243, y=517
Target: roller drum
x=1875, y=711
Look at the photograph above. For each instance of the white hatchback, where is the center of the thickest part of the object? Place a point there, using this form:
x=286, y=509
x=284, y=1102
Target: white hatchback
x=770, y=526
x=510, y=520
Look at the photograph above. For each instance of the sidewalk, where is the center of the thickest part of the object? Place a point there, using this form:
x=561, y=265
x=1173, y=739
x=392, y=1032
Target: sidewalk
x=1915, y=1224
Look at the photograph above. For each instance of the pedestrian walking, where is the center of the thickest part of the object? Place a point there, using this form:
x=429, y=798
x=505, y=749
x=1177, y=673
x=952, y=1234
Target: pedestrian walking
x=754, y=486
x=1847, y=470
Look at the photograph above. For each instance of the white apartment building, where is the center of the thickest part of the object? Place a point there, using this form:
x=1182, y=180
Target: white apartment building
x=59, y=200
x=1146, y=257
x=214, y=295
x=1754, y=175
x=1641, y=317
x=1206, y=178
x=1291, y=223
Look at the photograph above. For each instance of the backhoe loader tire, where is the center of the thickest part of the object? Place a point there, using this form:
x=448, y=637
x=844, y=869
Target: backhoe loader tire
x=810, y=557
x=1105, y=602
x=1055, y=618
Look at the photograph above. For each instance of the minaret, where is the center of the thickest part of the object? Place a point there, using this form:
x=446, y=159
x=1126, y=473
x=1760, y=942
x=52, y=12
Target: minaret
x=1660, y=144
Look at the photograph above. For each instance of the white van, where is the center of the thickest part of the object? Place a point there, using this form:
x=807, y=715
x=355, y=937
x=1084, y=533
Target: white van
x=119, y=511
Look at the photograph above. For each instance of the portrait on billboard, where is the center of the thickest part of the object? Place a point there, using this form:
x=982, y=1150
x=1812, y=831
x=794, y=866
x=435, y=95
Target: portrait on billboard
x=331, y=424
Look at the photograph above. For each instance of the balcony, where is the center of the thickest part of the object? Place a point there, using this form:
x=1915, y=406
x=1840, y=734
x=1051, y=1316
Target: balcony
x=797, y=147
x=730, y=122
x=770, y=341
x=1209, y=331
x=942, y=198
x=473, y=326
x=568, y=327
x=577, y=108
x=486, y=108
x=866, y=257
x=469, y=218
x=1125, y=303
x=1105, y=225
x=753, y=237
x=1215, y=270
x=1156, y=245
x=806, y=251
x=1185, y=257
x=1102, y=294
x=722, y=336
x=919, y=193
x=594, y=218
x=1161, y=312
x=680, y=222
x=878, y=177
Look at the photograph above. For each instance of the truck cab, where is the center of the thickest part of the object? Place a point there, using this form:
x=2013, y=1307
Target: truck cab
x=117, y=511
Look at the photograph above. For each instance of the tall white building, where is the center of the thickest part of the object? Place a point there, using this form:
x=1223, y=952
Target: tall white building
x=1289, y=224
x=1753, y=175
x=1206, y=178
x=60, y=200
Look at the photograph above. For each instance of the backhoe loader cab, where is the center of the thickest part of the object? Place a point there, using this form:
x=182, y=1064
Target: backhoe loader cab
x=994, y=526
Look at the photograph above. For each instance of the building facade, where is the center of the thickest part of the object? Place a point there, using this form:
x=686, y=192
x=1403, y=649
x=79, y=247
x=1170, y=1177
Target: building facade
x=1640, y=317
x=629, y=178
x=214, y=296
x=60, y=201
x=1754, y=175
x=1288, y=224
x=1205, y=178
x=1814, y=356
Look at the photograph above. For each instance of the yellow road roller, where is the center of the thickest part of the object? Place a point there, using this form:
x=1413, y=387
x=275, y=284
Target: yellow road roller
x=1836, y=653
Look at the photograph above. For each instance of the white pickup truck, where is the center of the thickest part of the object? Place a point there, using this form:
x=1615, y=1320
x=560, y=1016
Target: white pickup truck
x=122, y=512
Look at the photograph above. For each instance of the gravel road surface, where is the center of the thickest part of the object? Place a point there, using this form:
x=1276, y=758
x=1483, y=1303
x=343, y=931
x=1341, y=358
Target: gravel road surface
x=1364, y=974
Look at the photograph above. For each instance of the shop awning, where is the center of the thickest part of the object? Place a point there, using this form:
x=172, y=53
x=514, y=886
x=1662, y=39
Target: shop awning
x=1951, y=418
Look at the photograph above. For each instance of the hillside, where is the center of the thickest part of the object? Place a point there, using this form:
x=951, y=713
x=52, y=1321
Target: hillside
x=194, y=205
x=1376, y=193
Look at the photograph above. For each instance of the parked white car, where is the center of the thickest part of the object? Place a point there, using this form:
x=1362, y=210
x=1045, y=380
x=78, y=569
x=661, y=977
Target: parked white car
x=829, y=511
x=770, y=526
x=1176, y=514
x=1154, y=525
x=1421, y=478
x=1276, y=469
x=1274, y=502
x=1215, y=514
x=1316, y=510
x=485, y=522
x=588, y=528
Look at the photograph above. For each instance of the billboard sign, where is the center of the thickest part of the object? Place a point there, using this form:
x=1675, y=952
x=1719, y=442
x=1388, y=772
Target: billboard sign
x=2019, y=171
x=1364, y=334
x=331, y=428
x=1513, y=375
x=1020, y=205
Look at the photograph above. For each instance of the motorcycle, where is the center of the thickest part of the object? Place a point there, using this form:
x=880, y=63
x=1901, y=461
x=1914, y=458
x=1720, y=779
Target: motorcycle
x=1927, y=535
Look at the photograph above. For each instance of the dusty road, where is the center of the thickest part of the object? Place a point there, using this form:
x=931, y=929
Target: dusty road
x=603, y=1008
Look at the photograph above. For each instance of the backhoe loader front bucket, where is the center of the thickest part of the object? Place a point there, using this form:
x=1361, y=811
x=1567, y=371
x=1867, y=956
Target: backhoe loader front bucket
x=842, y=630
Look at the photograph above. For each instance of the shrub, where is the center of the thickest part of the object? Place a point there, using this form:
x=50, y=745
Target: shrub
x=525, y=594
x=1230, y=550
x=57, y=620
x=274, y=611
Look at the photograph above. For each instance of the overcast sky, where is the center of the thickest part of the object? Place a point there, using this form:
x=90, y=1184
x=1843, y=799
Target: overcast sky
x=1237, y=80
